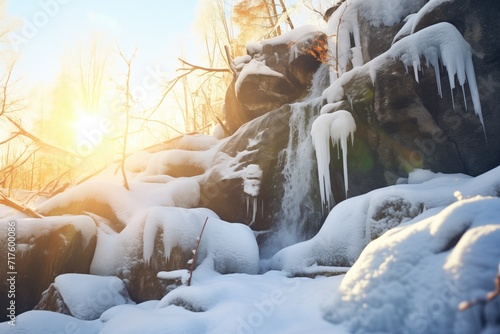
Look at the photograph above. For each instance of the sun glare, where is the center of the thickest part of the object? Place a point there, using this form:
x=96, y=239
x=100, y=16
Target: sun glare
x=91, y=132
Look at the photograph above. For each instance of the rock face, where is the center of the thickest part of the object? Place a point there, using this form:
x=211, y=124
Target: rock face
x=47, y=248
x=258, y=142
x=278, y=72
x=403, y=124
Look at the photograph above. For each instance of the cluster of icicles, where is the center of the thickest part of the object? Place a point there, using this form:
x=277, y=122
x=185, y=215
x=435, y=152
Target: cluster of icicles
x=337, y=127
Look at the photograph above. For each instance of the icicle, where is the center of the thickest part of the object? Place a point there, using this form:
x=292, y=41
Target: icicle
x=254, y=213
x=442, y=42
x=320, y=132
x=337, y=127
x=343, y=127
x=248, y=203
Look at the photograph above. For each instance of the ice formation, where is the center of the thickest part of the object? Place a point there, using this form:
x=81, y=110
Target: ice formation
x=344, y=23
x=440, y=43
x=353, y=223
x=337, y=127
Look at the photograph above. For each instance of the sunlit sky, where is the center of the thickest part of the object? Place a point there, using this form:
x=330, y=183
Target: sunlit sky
x=158, y=28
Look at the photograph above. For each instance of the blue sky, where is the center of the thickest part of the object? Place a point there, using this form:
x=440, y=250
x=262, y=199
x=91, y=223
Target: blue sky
x=48, y=28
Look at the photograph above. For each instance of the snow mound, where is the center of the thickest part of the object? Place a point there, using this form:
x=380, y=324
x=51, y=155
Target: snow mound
x=49, y=322
x=88, y=296
x=121, y=203
x=389, y=288
x=257, y=304
x=353, y=223
x=198, y=142
x=224, y=247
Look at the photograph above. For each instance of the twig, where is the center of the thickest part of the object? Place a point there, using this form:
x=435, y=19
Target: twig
x=11, y=203
x=226, y=130
x=192, y=261
x=489, y=296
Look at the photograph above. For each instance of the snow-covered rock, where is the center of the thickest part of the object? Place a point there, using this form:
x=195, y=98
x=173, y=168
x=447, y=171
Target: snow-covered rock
x=428, y=100
x=84, y=296
x=45, y=248
x=354, y=223
x=279, y=72
x=412, y=279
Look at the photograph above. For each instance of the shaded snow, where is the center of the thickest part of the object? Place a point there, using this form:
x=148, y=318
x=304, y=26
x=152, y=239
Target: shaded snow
x=236, y=303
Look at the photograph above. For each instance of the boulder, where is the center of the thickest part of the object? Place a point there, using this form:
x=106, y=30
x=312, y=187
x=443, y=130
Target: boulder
x=258, y=142
x=82, y=296
x=279, y=73
x=46, y=248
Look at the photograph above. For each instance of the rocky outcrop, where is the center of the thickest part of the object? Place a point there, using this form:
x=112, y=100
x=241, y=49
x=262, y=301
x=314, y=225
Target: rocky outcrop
x=403, y=124
x=277, y=72
x=258, y=142
x=45, y=249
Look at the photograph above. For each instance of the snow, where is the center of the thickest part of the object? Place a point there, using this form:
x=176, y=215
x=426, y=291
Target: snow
x=443, y=43
x=28, y=228
x=224, y=247
x=426, y=10
x=337, y=127
x=254, y=67
x=439, y=44
x=197, y=142
x=49, y=322
x=353, y=223
x=241, y=61
x=254, y=48
x=182, y=192
x=94, y=295
x=344, y=23
x=390, y=286
x=291, y=36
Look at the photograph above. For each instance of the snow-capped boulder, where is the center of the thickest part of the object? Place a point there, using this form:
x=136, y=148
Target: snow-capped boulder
x=277, y=72
x=84, y=296
x=46, y=248
x=161, y=239
x=391, y=289
x=355, y=222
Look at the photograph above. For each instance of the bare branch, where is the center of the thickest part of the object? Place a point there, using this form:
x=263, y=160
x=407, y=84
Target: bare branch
x=13, y=204
x=38, y=141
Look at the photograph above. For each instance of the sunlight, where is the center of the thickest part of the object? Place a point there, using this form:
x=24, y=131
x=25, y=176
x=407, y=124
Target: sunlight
x=91, y=131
